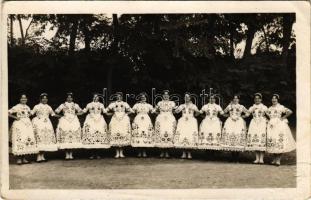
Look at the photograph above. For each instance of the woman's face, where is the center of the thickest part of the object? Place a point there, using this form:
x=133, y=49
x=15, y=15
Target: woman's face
x=69, y=98
x=187, y=98
x=119, y=97
x=143, y=98
x=23, y=99
x=96, y=98
x=44, y=100
x=166, y=96
x=236, y=99
x=274, y=100
x=257, y=99
x=212, y=100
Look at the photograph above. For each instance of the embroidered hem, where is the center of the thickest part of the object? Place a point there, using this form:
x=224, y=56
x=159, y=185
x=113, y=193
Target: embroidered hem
x=95, y=146
x=24, y=153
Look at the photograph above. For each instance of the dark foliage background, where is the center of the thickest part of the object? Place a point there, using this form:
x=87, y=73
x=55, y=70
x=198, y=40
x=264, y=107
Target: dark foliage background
x=134, y=53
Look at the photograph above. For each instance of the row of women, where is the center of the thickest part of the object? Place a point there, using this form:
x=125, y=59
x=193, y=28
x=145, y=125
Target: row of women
x=268, y=130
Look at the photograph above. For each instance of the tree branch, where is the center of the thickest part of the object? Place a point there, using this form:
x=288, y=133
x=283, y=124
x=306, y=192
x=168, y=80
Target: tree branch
x=26, y=32
x=266, y=39
x=21, y=29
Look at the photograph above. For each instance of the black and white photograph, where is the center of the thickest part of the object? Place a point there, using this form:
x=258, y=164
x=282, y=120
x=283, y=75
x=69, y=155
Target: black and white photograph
x=157, y=100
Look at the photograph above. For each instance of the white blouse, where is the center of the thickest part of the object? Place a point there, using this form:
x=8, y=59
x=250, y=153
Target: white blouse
x=119, y=106
x=235, y=110
x=95, y=108
x=277, y=111
x=165, y=106
x=21, y=111
x=212, y=110
x=68, y=108
x=258, y=111
x=142, y=108
x=187, y=109
x=42, y=111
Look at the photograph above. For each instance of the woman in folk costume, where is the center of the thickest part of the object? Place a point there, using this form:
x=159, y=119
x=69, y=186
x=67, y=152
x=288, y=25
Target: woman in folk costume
x=234, y=130
x=43, y=128
x=68, y=131
x=165, y=124
x=210, y=128
x=257, y=131
x=120, y=126
x=279, y=136
x=94, y=132
x=186, y=136
x=23, y=137
x=142, y=128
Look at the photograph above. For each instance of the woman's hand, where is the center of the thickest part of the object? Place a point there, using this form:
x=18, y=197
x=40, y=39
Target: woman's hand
x=80, y=113
x=225, y=115
x=109, y=113
x=14, y=116
x=57, y=116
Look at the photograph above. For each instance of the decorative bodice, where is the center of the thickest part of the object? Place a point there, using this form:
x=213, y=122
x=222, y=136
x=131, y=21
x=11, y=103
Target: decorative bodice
x=42, y=111
x=119, y=106
x=258, y=111
x=21, y=111
x=187, y=109
x=94, y=108
x=68, y=108
x=277, y=111
x=166, y=106
x=235, y=110
x=212, y=110
x=142, y=108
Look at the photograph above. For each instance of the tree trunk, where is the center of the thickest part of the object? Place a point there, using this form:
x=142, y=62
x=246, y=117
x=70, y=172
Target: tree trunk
x=11, y=31
x=115, y=44
x=231, y=42
x=73, y=36
x=115, y=23
x=211, y=34
x=249, y=40
x=288, y=20
x=266, y=40
x=177, y=45
x=29, y=25
x=87, y=38
x=156, y=27
x=21, y=29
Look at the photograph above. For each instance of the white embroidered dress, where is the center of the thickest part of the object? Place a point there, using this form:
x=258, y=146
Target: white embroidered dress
x=142, y=128
x=234, y=131
x=23, y=137
x=43, y=128
x=68, y=131
x=120, y=126
x=95, y=132
x=210, y=127
x=257, y=130
x=186, y=135
x=279, y=136
x=165, y=124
